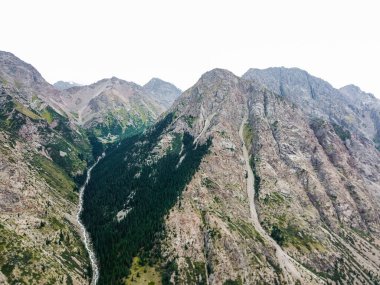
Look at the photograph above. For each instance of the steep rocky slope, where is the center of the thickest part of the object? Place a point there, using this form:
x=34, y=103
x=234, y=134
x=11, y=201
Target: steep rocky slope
x=280, y=196
x=39, y=237
x=30, y=110
x=41, y=153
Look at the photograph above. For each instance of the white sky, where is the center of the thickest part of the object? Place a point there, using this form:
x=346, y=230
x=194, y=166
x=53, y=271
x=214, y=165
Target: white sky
x=179, y=40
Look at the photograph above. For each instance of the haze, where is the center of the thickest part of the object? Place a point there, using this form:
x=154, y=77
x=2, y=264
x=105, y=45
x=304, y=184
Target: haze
x=85, y=41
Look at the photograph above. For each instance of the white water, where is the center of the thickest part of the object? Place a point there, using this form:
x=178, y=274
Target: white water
x=85, y=235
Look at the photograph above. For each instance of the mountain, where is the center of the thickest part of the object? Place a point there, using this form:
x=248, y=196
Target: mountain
x=319, y=99
x=242, y=183
x=113, y=108
x=62, y=85
x=164, y=92
x=42, y=154
x=268, y=178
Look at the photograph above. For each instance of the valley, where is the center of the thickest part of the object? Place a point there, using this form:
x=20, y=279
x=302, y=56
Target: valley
x=268, y=178
x=85, y=236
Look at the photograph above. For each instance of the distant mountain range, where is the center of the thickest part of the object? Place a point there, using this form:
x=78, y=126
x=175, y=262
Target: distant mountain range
x=62, y=85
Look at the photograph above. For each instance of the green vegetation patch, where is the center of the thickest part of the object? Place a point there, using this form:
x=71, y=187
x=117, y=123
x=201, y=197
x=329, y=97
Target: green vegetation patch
x=341, y=132
x=233, y=282
x=27, y=112
x=47, y=116
x=190, y=120
x=257, y=179
x=292, y=235
x=142, y=274
x=122, y=124
x=209, y=183
x=247, y=135
x=273, y=198
x=196, y=272
x=55, y=176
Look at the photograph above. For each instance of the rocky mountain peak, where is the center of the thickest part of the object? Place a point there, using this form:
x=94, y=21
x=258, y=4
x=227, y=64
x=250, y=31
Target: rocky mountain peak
x=219, y=74
x=155, y=82
x=14, y=70
x=354, y=90
x=158, y=84
x=163, y=91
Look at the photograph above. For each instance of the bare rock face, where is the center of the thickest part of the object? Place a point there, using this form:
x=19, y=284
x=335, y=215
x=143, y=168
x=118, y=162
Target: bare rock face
x=368, y=107
x=26, y=82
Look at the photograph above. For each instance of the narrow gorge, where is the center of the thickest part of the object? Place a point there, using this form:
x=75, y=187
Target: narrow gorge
x=84, y=233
